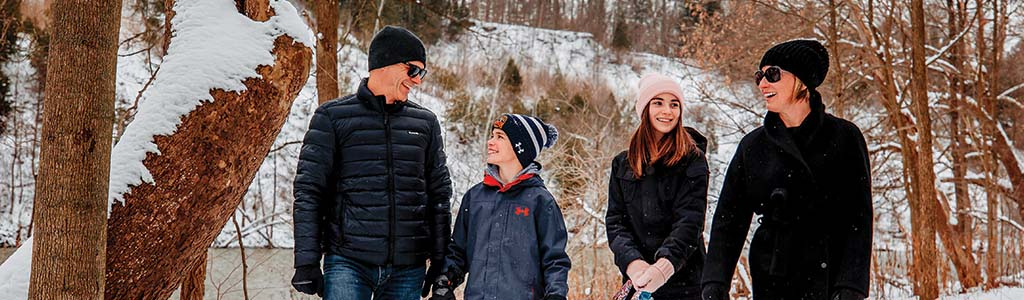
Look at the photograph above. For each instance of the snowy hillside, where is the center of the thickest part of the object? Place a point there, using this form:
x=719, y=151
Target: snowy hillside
x=267, y=204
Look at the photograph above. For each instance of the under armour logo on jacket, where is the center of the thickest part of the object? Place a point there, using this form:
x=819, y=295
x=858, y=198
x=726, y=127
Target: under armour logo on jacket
x=523, y=211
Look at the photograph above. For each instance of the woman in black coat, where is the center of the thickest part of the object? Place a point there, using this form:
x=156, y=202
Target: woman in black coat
x=657, y=197
x=807, y=176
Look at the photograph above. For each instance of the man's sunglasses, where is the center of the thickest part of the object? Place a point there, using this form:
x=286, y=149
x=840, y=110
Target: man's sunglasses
x=773, y=74
x=415, y=70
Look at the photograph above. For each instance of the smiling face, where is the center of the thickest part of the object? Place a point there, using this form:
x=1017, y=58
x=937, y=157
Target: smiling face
x=499, y=149
x=664, y=112
x=395, y=82
x=780, y=95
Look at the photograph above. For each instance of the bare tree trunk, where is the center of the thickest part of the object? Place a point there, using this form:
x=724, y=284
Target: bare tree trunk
x=981, y=93
x=958, y=141
x=193, y=285
x=206, y=166
x=245, y=265
x=376, y=22
x=326, y=50
x=71, y=191
x=168, y=15
x=967, y=270
x=922, y=214
x=838, y=100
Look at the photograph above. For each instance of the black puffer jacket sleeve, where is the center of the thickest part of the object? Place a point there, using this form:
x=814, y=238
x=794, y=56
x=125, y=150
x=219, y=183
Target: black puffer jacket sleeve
x=856, y=257
x=311, y=187
x=457, y=259
x=688, y=212
x=621, y=239
x=552, y=237
x=439, y=194
x=730, y=225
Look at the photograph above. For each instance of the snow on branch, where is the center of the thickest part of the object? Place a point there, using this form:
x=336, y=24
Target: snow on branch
x=212, y=47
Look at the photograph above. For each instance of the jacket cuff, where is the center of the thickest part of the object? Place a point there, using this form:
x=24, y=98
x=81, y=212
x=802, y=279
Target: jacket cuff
x=626, y=258
x=677, y=262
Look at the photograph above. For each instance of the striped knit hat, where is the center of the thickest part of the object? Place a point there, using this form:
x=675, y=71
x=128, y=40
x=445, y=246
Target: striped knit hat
x=529, y=135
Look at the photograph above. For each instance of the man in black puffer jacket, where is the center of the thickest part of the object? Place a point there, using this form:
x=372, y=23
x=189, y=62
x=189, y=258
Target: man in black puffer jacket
x=372, y=191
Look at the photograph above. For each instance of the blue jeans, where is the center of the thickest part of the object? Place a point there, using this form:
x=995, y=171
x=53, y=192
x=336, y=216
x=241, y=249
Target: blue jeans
x=347, y=279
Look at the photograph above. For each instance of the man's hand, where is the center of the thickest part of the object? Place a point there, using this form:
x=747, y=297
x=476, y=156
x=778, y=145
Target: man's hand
x=309, y=280
x=432, y=274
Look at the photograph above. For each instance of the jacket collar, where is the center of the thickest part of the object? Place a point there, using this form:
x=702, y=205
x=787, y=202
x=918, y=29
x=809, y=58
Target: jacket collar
x=526, y=178
x=779, y=135
x=374, y=102
x=658, y=167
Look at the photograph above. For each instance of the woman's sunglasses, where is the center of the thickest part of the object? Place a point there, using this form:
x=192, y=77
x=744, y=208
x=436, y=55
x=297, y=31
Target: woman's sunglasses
x=415, y=70
x=773, y=74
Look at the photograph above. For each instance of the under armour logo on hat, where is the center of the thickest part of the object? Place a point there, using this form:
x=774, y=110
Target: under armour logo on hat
x=528, y=130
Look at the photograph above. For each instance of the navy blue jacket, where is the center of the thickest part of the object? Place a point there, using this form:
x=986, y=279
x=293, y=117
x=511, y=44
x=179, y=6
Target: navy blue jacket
x=511, y=239
x=372, y=184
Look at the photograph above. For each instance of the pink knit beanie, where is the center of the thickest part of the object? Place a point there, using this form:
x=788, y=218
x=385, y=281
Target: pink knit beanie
x=654, y=84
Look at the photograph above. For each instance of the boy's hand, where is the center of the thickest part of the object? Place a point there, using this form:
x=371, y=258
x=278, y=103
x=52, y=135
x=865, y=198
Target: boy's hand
x=443, y=289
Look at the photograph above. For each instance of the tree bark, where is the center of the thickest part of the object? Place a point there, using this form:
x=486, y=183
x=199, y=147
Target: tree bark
x=193, y=285
x=203, y=171
x=922, y=215
x=326, y=50
x=839, y=85
x=168, y=15
x=958, y=141
x=71, y=191
x=967, y=270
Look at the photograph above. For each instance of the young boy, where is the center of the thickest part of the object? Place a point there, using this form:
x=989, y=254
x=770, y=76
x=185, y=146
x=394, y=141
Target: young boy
x=509, y=234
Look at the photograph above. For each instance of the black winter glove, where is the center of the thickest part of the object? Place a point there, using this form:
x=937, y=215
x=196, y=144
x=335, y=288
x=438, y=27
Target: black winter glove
x=714, y=291
x=444, y=289
x=554, y=297
x=847, y=294
x=432, y=273
x=309, y=280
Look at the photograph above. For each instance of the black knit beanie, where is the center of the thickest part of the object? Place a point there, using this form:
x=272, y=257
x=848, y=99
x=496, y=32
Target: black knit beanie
x=807, y=59
x=394, y=45
x=528, y=135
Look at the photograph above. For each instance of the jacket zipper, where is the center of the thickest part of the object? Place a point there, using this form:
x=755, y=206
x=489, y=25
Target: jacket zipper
x=391, y=191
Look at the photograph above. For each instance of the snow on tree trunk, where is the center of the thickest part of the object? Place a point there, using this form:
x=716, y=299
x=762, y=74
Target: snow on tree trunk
x=185, y=191
x=70, y=205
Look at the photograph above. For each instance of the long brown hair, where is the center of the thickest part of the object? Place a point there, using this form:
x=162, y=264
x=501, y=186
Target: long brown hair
x=645, y=150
